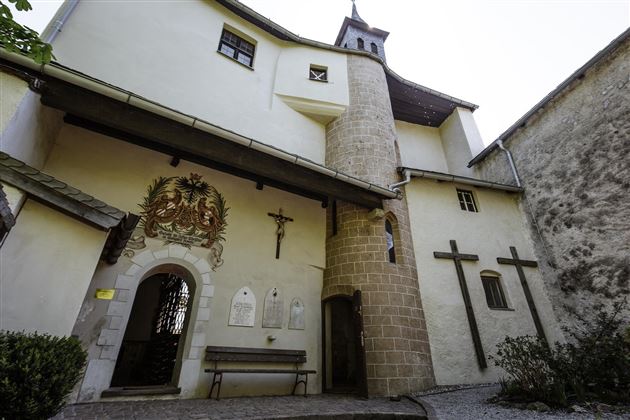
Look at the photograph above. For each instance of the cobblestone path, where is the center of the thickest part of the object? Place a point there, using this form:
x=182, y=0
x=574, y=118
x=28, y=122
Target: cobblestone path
x=291, y=407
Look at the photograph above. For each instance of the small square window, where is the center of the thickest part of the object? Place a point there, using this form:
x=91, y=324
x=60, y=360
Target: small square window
x=319, y=74
x=494, y=292
x=237, y=48
x=467, y=201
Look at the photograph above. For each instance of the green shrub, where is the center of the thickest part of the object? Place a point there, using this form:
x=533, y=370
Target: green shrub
x=37, y=372
x=593, y=364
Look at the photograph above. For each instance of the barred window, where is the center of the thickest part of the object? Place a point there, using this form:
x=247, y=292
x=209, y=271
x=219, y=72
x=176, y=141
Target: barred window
x=318, y=73
x=237, y=48
x=494, y=292
x=467, y=200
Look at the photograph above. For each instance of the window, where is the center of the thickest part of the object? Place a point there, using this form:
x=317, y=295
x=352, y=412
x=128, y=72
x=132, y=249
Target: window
x=318, y=73
x=467, y=201
x=389, y=236
x=237, y=48
x=494, y=292
x=360, y=44
x=374, y=48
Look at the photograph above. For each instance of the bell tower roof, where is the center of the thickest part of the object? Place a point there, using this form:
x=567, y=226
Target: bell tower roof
x=355, y=14
x=356, y=34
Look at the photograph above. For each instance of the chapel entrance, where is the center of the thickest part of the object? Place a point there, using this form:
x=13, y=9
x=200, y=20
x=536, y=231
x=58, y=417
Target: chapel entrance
x=344, y=346
x=154, y=334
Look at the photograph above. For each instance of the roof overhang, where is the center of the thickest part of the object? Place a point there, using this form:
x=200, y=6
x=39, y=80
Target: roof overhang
x=62, y=197
x=117, y=113
x=418, y=104
x=359, y=25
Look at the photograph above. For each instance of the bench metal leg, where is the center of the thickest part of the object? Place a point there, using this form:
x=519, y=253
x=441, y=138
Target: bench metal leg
x=300, y=381
x=216, y=381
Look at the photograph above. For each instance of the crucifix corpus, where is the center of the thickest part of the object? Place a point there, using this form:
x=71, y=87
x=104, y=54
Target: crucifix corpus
x=519, y=264
x=472, y=322
x=280, y=221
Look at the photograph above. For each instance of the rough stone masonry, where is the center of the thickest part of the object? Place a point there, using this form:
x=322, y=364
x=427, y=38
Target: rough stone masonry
x=573, y=157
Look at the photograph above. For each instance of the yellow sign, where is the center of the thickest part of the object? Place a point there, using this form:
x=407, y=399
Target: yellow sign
x=106, y=294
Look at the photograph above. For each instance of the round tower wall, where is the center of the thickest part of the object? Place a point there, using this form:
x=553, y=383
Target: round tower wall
x=362, y=142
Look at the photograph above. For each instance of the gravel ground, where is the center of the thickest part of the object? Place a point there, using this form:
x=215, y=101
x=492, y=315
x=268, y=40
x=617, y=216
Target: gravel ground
x=469, y=404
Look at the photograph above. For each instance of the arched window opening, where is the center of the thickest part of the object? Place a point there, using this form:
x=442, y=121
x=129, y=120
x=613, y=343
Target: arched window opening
x=360, y=44
x=389, y=236
x=493, y=290
x=374, y=48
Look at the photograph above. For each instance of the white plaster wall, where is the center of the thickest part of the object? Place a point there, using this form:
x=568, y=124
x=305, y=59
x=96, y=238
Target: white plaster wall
x=437, y=218
x=293, y=85
x=461, y=141
x=27, y=128
x=119, y=173
x=184, y=71
x=420, y=147
x=46, y=265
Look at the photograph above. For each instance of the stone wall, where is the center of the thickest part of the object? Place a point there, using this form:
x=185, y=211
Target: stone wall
x=362, y=142
x=573, y=157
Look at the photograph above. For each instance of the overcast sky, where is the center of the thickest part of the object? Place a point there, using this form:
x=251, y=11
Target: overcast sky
x=503, y=55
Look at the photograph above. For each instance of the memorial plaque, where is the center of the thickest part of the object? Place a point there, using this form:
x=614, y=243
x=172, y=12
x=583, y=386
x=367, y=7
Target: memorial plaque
x=243, y=308
x=296, y=315
x=273, y=312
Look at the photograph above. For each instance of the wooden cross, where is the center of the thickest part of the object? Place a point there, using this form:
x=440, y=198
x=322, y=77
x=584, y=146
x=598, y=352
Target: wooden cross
x=519, y=264
x=472, y=322
x=280, y=221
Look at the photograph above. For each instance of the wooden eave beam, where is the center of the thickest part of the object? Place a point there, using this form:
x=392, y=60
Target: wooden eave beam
x=152, y=131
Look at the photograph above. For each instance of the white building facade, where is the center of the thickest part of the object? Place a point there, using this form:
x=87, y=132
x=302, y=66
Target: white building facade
x=200, y=153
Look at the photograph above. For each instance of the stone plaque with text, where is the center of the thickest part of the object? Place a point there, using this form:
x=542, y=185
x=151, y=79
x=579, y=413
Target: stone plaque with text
x=243, y=308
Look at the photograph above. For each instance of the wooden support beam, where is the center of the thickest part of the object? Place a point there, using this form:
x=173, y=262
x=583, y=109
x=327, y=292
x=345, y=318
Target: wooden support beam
x=129, y=123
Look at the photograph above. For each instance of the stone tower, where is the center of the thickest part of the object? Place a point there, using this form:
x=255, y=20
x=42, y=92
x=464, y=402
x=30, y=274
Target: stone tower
x=356, y=34
x=362, y=142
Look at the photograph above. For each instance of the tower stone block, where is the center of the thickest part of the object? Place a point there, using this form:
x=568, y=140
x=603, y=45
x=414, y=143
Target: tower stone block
x=361, y=142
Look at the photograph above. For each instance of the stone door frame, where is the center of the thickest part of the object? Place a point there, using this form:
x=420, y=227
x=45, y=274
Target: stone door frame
x=100, y=370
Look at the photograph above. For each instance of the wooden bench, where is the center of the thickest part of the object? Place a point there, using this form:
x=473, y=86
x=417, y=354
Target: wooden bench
x=241, y=354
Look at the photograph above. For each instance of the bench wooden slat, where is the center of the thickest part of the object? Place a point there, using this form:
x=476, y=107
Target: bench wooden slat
x=242, y=354
x=291, y=371
x=248, y=350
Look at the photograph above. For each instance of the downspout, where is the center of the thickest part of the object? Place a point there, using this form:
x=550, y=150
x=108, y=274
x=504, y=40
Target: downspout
x=511, y=160
x=54, y=27
x=396, y=187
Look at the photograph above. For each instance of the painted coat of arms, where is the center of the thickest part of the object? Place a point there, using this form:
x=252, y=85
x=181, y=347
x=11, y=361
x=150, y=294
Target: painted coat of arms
x=186, y=211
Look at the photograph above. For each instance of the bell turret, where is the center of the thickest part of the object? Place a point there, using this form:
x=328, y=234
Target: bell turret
x=356, y=34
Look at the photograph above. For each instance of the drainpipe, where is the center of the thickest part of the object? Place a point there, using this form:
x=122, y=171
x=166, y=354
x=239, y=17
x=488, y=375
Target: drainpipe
x=54, y=27
x=511, y=160
x=396, y=187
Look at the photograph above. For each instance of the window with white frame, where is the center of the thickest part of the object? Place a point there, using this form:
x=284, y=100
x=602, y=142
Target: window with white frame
x=467, y=200
x=237, y=48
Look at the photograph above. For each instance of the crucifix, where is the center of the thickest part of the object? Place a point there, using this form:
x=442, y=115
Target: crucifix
x=280, y=221
x=472, y=322
x=519, y=264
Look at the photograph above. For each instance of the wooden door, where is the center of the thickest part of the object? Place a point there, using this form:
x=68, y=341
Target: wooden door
x=357, y=318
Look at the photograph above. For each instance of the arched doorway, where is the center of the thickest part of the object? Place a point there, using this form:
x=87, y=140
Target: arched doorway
x=155, y=333
x=344, y=345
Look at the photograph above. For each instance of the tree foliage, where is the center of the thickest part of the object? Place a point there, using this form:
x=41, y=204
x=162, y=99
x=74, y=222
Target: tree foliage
x=22, y=39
